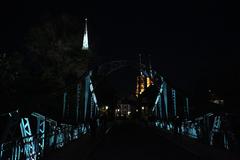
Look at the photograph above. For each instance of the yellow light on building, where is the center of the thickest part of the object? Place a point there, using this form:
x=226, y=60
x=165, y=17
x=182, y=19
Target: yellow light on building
x=148, y=82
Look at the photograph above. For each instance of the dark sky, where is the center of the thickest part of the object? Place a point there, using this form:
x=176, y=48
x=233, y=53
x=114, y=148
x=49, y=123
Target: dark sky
x=194, y=44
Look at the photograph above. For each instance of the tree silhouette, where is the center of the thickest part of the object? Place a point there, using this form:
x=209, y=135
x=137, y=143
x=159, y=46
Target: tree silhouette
x=51, y=59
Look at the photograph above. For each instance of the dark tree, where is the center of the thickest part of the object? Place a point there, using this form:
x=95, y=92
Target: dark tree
x=11, y=72
x=54, y=59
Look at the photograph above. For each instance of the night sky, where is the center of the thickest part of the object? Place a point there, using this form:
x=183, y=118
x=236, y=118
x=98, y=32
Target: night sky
x=194, y=44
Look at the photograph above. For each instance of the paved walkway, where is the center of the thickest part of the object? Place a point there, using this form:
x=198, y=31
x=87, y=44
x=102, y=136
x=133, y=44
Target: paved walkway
x=130, y=140
x=78, y=149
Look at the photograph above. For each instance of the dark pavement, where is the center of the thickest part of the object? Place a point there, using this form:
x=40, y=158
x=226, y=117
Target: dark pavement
x=129, y=140
x=134, y=140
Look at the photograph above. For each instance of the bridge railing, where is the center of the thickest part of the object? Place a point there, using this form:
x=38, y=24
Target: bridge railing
x=29, y=147
x=209, y=129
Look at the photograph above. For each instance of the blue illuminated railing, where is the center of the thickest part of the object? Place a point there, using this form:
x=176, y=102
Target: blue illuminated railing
x=188, y=128
x=206, y=129
x=63, y=134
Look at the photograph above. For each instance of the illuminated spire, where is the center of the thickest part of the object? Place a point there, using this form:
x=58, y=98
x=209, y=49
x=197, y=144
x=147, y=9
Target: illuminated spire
x=150, y=66
x=85, y=37
x=140, y=63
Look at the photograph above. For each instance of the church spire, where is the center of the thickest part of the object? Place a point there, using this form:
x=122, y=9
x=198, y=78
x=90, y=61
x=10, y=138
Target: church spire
x=85, y=45
x=150, y=66
x=140, y=63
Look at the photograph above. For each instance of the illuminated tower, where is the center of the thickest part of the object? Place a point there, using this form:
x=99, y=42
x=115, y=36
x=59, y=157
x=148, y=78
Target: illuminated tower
x=150, y=67
x=149, y=78
x=85, y=45
x=140, y=79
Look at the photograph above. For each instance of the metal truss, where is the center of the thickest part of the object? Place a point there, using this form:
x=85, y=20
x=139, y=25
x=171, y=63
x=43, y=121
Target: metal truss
x=77, y=102
x=174, y=102
x=93, y=94
x=29, y=147
x=215, y=128
x=165, y=97
x=186, y=107
x=64, y=104
x=86, y=95
x=40, y=131
x=52, y=131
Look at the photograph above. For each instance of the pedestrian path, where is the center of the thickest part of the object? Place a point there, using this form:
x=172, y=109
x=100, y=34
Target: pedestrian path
x=136, y=141
x=79, y=149
x=131, y=140
x=202, y=150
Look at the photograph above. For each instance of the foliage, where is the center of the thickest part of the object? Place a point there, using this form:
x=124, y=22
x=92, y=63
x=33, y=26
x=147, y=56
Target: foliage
x=54, y=51
x=50, y=61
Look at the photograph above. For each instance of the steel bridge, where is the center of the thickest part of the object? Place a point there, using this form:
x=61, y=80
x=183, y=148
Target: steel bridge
x=34, y=135
x=31, y=136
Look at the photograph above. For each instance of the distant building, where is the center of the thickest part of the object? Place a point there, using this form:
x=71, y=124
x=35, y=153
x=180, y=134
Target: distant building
x=213, y=98
x=144, y=80
x=123, y=110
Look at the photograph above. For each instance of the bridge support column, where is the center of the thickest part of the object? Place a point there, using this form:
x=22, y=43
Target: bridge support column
x=86, y=95
x=186, y=107
x=77, y=102
x=64, y=104
x=160, y=106
x=91, y=107
x=94, y=103
x=165, y=99
x=174, y=102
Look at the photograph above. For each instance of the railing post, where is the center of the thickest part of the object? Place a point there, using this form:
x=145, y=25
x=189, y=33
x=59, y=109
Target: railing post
x=64, y=104
x=77, y=104
x=186, y=107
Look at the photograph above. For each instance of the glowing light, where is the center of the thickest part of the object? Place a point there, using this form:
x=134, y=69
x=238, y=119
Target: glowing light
x=85, y=37
x=148, y=82
x=142, y=108
x=106, y=107
x=140, y=85
x=128, y=112
x=136, y=110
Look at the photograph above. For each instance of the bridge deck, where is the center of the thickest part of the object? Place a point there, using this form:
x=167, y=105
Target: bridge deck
x=131, y=141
